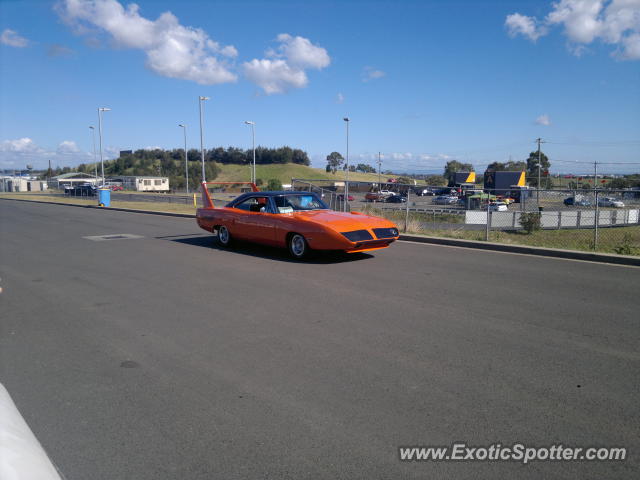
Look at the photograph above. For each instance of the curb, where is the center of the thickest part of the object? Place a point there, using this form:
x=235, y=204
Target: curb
x=528, y=250
x=451, y=242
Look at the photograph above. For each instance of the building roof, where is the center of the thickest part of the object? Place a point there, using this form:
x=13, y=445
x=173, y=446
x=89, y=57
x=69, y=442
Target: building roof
x=115, y=177
x=67, y=176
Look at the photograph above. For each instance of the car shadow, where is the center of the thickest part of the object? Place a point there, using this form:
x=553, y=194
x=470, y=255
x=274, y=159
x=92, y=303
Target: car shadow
x=263, y=251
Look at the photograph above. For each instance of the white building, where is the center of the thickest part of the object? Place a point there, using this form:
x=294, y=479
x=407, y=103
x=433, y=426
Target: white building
x=21, y=184
x=142, y=184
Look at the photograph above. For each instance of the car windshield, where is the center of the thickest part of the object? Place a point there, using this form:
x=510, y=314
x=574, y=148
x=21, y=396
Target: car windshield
x=300, y=202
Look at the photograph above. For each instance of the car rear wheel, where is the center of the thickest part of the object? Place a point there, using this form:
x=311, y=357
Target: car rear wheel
x=224, y=237
x=298, y=247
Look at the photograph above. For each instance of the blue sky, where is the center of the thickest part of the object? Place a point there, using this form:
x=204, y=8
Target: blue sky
x=422, y=81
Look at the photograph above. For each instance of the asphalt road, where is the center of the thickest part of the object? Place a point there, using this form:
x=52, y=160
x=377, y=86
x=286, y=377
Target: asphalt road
x=165, y=357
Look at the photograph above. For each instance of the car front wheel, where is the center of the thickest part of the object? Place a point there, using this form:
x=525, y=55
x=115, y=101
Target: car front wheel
x=224, y=237
x=298, y=247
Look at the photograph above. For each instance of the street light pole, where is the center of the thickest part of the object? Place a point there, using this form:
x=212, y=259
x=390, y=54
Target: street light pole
x=100, y=111
x=346, y=183
x=95, y=160
x=379, y=169
x=253, y=142
x=186, y=162
x=200, y=100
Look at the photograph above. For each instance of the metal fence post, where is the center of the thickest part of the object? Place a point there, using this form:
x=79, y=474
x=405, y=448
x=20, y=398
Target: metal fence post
x=596, y=220
x=406, y=218
x=488, y=223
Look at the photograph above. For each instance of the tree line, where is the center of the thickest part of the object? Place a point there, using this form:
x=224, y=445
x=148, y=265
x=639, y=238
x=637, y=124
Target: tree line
x=170, y=163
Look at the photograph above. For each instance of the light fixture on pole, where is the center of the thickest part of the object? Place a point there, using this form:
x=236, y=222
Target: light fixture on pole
x=186, y=163
x=100, y=111
x=95, y=160
x=253, y=142
x=200, y=100
x=346, y=183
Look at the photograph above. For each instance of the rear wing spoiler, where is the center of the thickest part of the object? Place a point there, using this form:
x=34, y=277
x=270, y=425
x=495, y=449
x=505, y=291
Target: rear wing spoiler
x=206, y=198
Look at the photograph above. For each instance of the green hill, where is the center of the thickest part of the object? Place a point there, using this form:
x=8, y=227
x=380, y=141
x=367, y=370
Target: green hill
x=284, y=172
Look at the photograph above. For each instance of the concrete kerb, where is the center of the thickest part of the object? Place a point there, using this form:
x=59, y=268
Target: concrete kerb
x=528, y=250
x=452, y=242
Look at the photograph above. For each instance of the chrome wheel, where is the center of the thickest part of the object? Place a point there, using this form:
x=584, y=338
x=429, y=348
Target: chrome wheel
x=297, y=245
x=224, y=237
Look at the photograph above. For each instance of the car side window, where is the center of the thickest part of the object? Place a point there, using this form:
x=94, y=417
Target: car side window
x=253, y=204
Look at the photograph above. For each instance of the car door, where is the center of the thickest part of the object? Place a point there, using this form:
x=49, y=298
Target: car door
x=253, y=220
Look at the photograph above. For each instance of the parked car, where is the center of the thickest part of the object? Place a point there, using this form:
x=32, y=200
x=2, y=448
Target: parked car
x=423, y=192
x=506, y=199
x=396, y=199
x=445, y=200
x=610, y=202
x=116, y=188
x=86, y=190
x=498, y=207
x=300, y=221
x=350, y=198
x=378, y=196
x=577, y=202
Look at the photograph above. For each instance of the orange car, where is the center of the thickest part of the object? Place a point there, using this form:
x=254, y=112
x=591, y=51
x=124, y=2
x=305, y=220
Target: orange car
x=300, y=221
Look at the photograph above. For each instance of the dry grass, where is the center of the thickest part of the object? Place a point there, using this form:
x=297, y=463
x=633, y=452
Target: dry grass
x=148, y=206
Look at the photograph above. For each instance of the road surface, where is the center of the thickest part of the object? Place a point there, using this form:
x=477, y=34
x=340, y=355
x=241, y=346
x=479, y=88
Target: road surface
x=165, y=357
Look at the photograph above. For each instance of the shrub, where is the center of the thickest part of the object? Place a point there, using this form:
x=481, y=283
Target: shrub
x=274, y=184
x=530, y=221
x=626, y=247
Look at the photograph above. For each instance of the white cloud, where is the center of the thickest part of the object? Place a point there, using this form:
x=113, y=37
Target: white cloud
x=20, y=145
x=67, y=147
x=371, y=73
x=286, y=68
x=301, y=53
x=522, y=25
x=543, y=120
x=172, y=49
x=23, y=151
x=406, y=161
x=614, y=22
x=274, y=76
x=339, y=98
x=11, y=38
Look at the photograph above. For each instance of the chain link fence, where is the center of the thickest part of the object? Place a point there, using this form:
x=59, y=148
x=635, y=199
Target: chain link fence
x=600, y=220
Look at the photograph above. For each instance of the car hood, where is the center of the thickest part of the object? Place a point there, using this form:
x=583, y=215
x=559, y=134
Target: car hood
x=343, y=221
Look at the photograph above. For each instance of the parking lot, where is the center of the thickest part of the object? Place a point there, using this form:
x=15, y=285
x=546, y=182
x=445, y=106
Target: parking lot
x=163, y=356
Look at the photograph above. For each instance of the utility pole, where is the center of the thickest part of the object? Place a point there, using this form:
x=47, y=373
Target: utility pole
x=379, y=169
x=346, y=183
x=539, y=140
x=186, y=159
x=200, y=100
x=95, y=160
